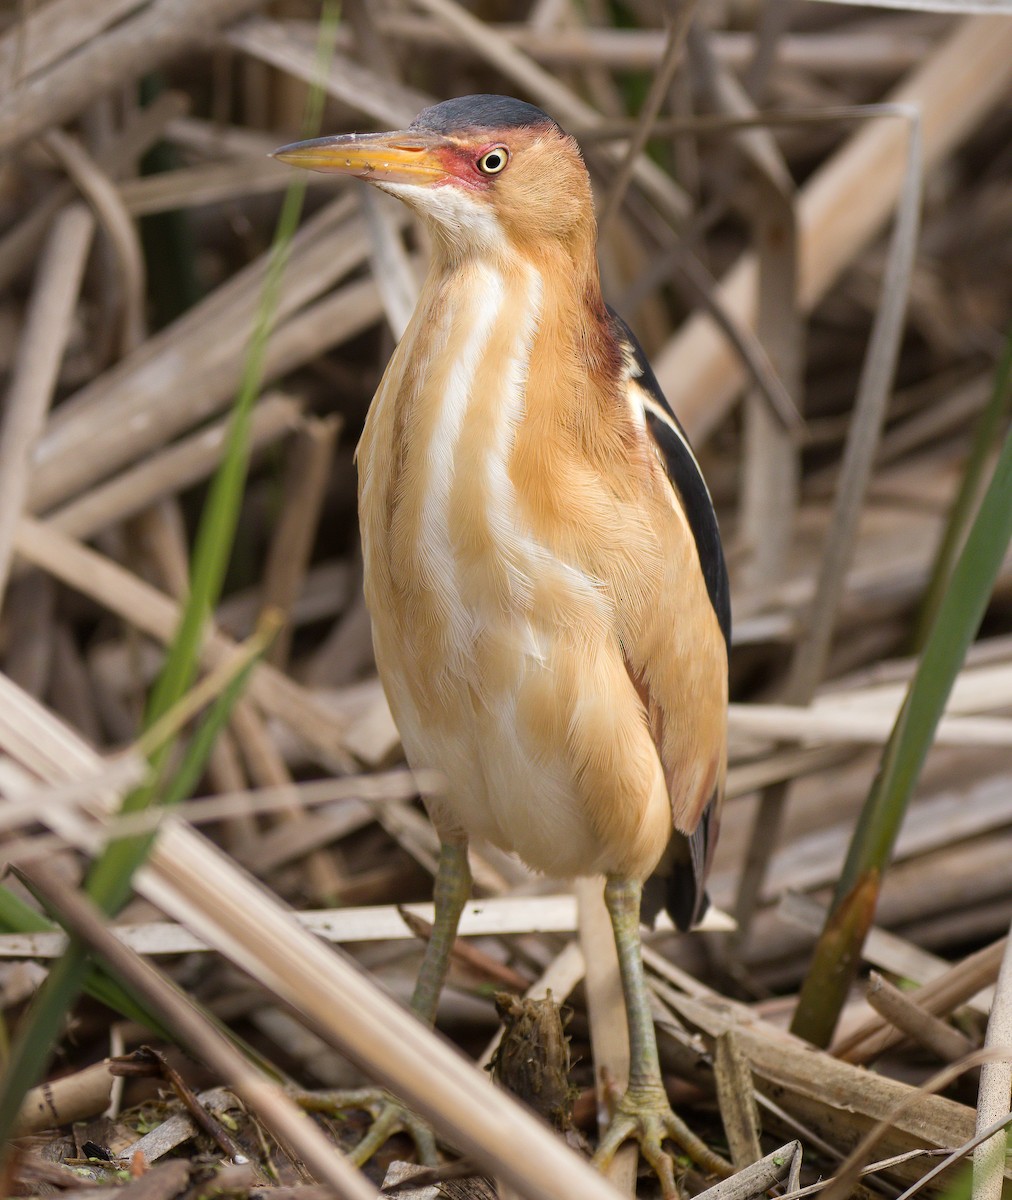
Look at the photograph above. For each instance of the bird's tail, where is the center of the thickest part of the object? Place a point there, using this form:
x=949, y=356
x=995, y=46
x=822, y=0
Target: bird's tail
x=679, y=882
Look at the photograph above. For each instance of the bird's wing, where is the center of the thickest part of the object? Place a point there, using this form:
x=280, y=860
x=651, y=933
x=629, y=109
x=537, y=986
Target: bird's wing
x=688, y=716
x=684, y=474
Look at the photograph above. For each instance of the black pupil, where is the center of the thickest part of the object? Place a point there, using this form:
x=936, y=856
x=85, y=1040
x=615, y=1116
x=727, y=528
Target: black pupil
x=493, y=161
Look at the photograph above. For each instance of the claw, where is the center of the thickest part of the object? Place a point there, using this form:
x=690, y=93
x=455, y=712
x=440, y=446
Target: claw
x=389, y=1118
x=645, y=1115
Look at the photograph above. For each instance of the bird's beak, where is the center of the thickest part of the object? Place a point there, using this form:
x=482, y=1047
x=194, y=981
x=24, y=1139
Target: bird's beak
x=399, y=157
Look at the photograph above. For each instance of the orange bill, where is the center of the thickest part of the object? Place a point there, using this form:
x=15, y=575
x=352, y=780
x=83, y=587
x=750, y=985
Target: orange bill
x=398, y=157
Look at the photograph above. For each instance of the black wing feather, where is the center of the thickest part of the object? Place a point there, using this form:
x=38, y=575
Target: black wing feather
x=684, y=473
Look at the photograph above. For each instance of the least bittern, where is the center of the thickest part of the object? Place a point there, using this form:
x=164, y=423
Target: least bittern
x=542, y=561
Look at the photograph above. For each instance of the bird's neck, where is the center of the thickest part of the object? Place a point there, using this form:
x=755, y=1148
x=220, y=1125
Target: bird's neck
x=504, y=386
x=544, y=301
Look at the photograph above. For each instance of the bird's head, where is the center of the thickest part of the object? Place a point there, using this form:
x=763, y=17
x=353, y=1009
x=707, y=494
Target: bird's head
x=488, y=174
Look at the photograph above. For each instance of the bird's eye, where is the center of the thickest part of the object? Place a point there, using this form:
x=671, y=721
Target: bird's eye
x=493, y=161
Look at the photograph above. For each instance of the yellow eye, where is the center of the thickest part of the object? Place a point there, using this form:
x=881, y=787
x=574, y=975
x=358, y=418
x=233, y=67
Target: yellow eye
x=493, y=161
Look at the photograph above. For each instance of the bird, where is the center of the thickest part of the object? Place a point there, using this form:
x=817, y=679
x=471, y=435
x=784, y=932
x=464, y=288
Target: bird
x=542, y=562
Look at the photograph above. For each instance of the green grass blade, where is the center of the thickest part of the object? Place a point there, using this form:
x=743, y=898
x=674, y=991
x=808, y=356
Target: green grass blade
x=985, y=437
x=18, y=917
x=837, y=953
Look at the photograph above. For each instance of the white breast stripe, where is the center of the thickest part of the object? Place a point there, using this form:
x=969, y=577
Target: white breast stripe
x=500, y=500
x=435, y=553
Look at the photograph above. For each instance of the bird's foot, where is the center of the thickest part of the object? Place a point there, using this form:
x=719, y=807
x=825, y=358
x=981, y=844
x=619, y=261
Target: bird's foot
x=389, y=1118
x=644, y=1113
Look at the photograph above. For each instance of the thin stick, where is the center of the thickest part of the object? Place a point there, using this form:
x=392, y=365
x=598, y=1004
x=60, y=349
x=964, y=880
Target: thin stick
x=811, y=652
x=673, y=50
x=839, y=212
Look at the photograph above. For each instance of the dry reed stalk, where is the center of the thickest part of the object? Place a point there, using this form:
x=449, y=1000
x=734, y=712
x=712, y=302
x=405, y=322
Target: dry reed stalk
x=995, y=1086
x=43, y=343
x=324, y=596
x=73, y=1097
x=825, y=723
x=884, y=950
x=811, y=651
x=770, y=472
x=677, y=32
x=121, y=55
x=267, y=768
x=347, y=650
x=938, y=997
x=875, y=49
x=351, y=803
x=266, y=1097
x=310, y=457
x=157, y=615
x=911, y=1019
x=189, y=879
x=173, y=470
x=123, y=238
x=836, y=1099
x=772, y=468
x=197, y=360
x=210, y=183
x=19, y=245
x=218, y=140
x=925, y=900
x=982, y=685
x=736, y=1097
x=290, y=46
x=782, y=1168
x=842, y=207
x=490, y=917
x=784, y=765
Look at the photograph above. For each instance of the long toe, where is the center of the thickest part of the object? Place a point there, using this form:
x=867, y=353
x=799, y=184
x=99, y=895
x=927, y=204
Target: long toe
x=389, y=1118
x=648, y=1118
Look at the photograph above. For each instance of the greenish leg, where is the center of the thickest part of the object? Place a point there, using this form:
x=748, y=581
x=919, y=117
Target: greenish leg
x=643, y=1112
x=452, y=888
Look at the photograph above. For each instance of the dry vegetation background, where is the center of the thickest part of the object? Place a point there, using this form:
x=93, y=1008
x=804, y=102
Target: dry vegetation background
x=137, y=210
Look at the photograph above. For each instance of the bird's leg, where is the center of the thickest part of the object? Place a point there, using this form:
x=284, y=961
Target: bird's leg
x=643, y=1112
x=452, y=888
